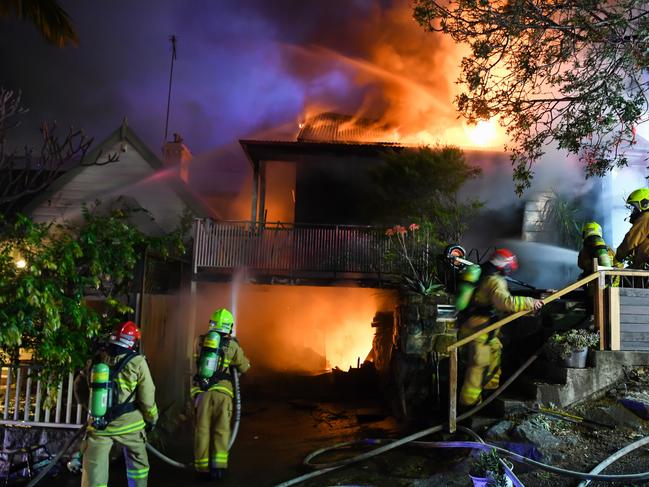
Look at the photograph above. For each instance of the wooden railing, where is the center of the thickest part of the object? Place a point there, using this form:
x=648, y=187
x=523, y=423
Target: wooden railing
x=292, y=247
x=24, y=397
x=453, y=348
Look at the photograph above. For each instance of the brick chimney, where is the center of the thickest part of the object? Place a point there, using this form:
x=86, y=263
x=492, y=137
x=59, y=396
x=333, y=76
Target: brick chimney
x=176, y=154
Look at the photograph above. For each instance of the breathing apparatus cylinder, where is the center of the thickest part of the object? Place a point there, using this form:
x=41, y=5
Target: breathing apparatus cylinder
x=209, y=359
x=99, y=390
x=469, y=278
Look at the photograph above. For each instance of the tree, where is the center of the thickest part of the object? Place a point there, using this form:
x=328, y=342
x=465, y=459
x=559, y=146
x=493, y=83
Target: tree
x=569, y=72
x=46, y=273
x=28, y=170
x=417, y=188
x=47, y=15
x=420, y=185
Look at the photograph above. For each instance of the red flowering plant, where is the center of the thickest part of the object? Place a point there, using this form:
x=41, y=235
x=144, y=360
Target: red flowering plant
x=410, y=251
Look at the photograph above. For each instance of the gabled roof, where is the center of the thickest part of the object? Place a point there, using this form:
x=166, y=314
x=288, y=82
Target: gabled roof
x=124, y=133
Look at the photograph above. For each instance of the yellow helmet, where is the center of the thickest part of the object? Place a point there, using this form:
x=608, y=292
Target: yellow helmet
x=639, y=199
x=221, y=321
x=589, y=229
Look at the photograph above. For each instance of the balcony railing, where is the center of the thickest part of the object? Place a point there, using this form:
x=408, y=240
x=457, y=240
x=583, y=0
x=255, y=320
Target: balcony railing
x=294, y=248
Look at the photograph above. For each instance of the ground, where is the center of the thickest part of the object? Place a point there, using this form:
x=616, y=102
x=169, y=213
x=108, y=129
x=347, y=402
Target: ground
x=277, y=432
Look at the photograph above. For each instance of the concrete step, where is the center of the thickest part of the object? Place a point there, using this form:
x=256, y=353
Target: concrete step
x=565, y=386
x=547, y=382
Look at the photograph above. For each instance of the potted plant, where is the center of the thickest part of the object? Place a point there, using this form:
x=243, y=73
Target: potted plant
x=571, y=347
x=488, y=470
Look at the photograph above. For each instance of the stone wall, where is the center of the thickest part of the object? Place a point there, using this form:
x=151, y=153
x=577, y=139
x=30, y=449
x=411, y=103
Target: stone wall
x=409, y=352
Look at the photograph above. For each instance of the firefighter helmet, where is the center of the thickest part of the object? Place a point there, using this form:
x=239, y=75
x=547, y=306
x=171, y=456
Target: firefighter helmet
x=639, y=199
x=222, y=321
x=504, y=260
x=125, y=335
x=591, y=228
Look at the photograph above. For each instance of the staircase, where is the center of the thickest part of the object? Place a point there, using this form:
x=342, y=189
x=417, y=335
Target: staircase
x=546, y=382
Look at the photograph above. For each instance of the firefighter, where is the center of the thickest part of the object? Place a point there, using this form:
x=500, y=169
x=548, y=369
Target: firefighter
x=490, y=297
x=593, y=247
x=212, y=393
x=636, y=240
x=129, y=409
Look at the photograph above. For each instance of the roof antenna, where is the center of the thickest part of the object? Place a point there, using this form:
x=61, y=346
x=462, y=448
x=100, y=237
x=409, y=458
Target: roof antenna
x=173, y=40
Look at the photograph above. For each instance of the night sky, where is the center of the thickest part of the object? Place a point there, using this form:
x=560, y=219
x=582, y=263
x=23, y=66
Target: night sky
x=244, y=68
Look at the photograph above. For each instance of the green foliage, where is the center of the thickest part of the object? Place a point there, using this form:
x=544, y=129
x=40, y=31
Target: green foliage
x=420, y=185
x=414, y=252
x=563, y=214
x=560, y=345
x=44, y=304
x=572, y=73
x=488, y=465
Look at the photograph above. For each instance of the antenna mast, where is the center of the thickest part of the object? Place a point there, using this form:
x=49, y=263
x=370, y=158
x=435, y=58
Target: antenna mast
x=173, y=40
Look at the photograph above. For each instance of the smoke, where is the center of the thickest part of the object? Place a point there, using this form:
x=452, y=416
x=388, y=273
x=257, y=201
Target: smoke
x=299, y=328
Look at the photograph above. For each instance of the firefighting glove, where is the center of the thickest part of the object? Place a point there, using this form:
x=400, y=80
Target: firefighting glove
x=149, y=427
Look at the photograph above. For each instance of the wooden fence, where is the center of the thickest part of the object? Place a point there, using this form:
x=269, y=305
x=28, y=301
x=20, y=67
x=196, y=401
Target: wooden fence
x=24, y=398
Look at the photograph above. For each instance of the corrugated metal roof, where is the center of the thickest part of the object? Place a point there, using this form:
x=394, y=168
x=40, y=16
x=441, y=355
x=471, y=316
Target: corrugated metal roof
x=334, y=127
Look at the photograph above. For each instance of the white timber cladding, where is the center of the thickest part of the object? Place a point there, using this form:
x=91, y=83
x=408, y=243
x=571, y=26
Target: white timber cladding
x=131, y=176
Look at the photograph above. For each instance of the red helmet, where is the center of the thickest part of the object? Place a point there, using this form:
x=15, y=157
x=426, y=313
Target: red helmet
x=125, y=335
x=504, y=260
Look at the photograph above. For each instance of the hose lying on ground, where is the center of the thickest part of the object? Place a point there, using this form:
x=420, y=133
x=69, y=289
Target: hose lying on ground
x=615, y=457
x=330, y=467
x=593, y=475
x=323, y=468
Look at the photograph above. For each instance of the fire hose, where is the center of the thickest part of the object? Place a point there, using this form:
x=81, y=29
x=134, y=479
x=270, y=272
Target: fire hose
x=233, y=436
x=324, y=468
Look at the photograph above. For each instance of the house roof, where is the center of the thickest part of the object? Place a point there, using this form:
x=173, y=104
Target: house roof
x=275, y=150
x=335, y=127
x=125, y=134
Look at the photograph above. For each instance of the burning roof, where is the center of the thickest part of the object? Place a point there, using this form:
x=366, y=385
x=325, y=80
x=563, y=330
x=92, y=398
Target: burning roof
x=334, y=127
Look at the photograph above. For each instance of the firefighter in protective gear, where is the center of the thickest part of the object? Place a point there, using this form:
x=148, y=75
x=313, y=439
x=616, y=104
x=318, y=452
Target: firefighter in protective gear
x=133, y=411
x=213, y=399
x=593, y=247
x=490, y=298
x=636, y=240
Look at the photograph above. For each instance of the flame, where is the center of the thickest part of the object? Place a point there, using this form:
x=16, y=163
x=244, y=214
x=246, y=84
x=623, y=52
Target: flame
x=483, y=134
x=408, y=79
x=301, y=328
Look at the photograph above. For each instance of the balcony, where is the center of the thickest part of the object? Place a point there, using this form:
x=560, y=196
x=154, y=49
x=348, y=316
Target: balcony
x=297, y=252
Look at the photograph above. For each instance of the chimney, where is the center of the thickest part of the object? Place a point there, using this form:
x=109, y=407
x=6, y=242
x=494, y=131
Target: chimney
x=176, y=154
